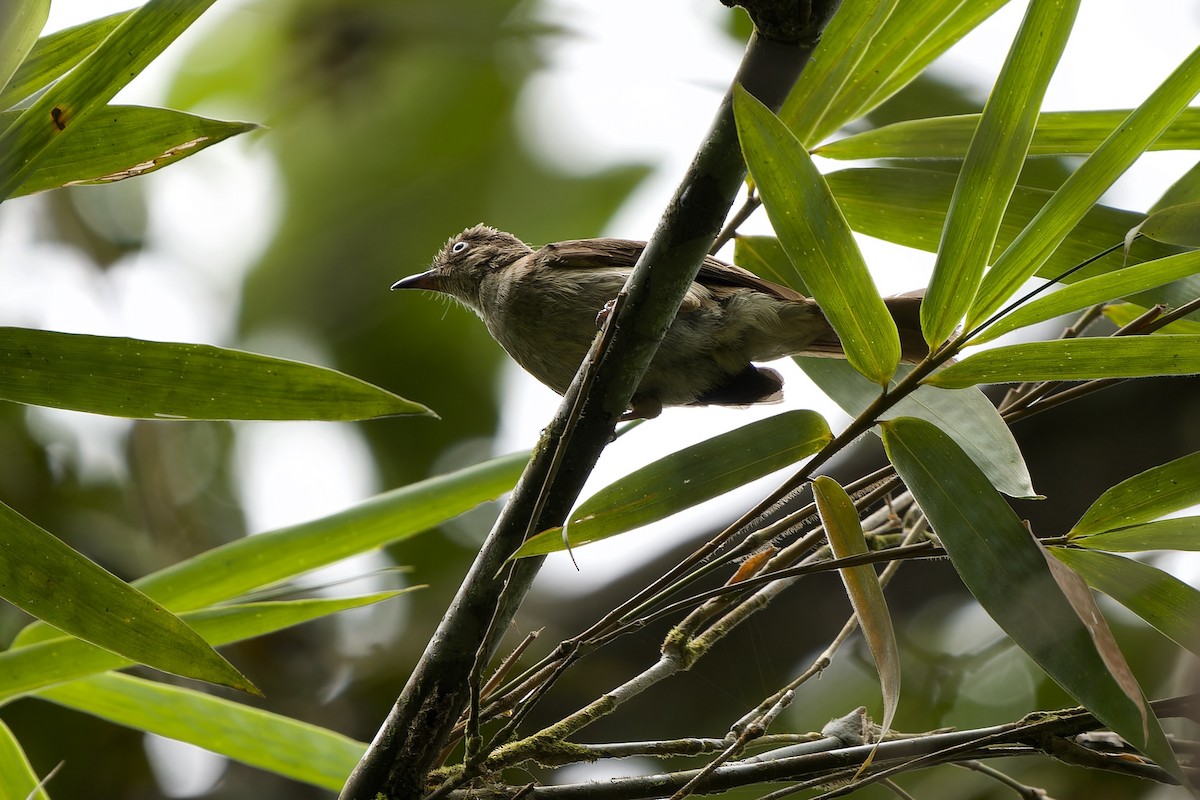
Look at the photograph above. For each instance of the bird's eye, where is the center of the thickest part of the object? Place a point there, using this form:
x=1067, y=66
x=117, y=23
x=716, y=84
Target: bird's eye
x=459, y=247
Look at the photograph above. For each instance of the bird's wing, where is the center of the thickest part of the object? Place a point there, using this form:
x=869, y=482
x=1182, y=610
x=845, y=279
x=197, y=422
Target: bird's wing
x=624, y=253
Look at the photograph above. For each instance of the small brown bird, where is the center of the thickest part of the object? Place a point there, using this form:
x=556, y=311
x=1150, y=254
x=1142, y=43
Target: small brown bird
x=542, y=306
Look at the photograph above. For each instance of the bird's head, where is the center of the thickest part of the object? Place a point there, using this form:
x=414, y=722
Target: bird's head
x=465, y=261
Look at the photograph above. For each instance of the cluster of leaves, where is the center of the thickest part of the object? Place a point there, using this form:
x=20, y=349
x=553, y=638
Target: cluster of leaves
x=947, y=442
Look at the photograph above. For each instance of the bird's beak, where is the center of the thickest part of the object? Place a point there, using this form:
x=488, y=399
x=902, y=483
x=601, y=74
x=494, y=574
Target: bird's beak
x=430, y=280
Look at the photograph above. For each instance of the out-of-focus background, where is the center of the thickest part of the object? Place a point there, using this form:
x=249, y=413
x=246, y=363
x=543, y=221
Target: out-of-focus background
x=390, y=127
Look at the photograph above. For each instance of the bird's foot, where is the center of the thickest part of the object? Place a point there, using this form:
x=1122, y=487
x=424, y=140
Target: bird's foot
x=642, y=407
x=605, y=313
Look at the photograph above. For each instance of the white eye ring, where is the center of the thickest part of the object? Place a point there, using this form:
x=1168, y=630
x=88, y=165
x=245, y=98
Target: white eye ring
x=458, y=247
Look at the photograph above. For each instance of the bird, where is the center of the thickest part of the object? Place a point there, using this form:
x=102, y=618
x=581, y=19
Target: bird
x=543, y=307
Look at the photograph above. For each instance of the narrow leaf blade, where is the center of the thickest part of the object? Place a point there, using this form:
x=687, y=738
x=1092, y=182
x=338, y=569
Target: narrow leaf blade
x=689, y=477
x=168, y=380
x=273, y=742
x=1006, y=571
x=18, y=779
x=993, y=162
x=1075, y=359
x=842, y=527
x=1164, y=601
x=41, y=575
x=1144, y=497
x=817, y=239
x=54, y=54
x=1179, y=533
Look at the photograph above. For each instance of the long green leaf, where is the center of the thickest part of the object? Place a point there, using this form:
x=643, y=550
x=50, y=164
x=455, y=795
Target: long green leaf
x=1007, y=572
x=266, y=559
x=122, y=142
x=31, y=667
x=820, y=88
x=844, y=531
x=1121, y=314
x=43, y=576
x=689, y=477
x=1097, y=289
x=814, y=233
x=1144, y=497
x=279, y=744
x=1178, y=533
x=166, y=380
x=20, y=23
x=1164, y=601
x=126, y=52
x=17, y=777
x=900, y=47
x=968, y=416
x=1084, y=187
x=993, y=162
x=1075, y=359
x=1177, y=224
x=55, y=54
x=765, y=256
x=908, y=207
x=1058, y=133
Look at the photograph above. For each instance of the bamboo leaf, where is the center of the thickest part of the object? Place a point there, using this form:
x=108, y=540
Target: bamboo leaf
x=993, y=162
x=1187, y=188
x=32, y=666
x=688, y=477
x=1121, y=314
x=1058, y=133
x=44, y=577
x=908, y=207
x=266, y=559
x=967, y=416
x=276, y=743
x=1167, y=603
x=1178, y=224
x=1144, y=497
x=1008, y=573
x=1097, y=289
x=894, y=50
x=845, y=533
x=18, y=779
x=135, y=42
x=1075, y=359
x=122, y=142
x=53, y=55
x=1084, y=187
x=166, y=380
x=814, y=233
x=1178, y=533
x=20, y=23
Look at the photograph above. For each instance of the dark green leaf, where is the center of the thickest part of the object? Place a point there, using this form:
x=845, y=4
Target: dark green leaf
x=120, y=57
x=1144, y=497
x=122, y=142
x=814, y=233
x=1075, y=359
x=1164, y=601
x=1007, y=572
x=165, y=380
x=689, y=477
x=44, y=577
x=284, y=746
x=1058, y=133
x=844, y=531
x=992, y=164
x=55, y=54
x=968, y=416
